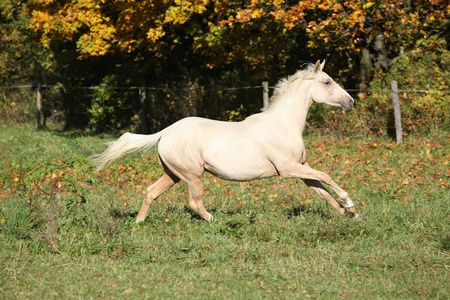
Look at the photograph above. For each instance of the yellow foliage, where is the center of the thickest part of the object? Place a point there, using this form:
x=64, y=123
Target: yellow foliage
x=100, y=27
x=155, y=34
x=368, y=5
x=257, y=13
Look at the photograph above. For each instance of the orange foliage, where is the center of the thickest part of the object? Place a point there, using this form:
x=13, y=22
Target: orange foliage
x=220, y=28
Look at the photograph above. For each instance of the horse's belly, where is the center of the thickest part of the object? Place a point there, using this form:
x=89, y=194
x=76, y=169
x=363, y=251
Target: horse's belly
x=240, y=168
x=221, y=148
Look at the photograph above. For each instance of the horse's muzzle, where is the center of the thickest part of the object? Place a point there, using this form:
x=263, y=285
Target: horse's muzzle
x=348, y=104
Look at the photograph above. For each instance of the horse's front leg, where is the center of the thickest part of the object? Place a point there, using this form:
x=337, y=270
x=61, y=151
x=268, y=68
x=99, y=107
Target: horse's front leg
x=317, y=187
x=196, y=191
x=304, y=171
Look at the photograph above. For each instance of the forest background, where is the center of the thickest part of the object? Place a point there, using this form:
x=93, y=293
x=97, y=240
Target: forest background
x=209, y=58
x=66, y=232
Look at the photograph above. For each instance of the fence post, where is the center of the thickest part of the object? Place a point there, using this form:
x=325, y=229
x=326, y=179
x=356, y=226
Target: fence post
x=265, y=86
x=397, y=114
x=142, y=99
x=38, y=104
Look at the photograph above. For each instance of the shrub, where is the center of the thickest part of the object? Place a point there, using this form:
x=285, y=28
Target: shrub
x=16, y=106
x=113, y=109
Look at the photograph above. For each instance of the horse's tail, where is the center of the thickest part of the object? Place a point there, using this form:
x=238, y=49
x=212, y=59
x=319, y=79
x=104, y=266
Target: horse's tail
x=127, y=143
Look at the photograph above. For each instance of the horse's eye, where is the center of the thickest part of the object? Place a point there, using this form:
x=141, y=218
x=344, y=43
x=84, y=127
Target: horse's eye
x=327, y=82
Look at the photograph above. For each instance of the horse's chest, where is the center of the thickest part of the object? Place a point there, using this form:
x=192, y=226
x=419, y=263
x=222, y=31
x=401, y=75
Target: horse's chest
x=301, y=155
x=297, y=152
x=285, y=154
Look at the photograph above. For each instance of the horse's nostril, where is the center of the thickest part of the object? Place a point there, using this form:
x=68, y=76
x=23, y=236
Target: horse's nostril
x=352, y=102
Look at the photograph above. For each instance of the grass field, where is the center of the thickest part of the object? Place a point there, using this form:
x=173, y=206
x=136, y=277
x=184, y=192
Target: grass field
x=67, y=232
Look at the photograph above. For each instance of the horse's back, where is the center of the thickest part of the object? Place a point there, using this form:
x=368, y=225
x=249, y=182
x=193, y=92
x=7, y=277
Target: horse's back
x=199, y=134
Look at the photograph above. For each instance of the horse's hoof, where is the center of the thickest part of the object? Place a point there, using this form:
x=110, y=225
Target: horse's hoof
x=139, y=220
x=211, y=219
x=359, y=218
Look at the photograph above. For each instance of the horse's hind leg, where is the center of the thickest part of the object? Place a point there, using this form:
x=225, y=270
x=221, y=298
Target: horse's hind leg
x=152, y=193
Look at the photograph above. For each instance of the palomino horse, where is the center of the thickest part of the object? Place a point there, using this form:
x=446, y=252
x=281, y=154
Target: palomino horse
x=263, y=145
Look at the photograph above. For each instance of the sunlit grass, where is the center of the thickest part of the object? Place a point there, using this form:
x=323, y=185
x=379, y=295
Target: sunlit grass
x=67, y=232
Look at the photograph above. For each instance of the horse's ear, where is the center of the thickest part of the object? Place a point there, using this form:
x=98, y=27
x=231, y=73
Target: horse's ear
x=318, y=67
x=322, y=65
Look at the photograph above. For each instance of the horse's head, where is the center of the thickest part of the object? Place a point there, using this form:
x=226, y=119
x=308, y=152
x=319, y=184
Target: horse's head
x=325, y=90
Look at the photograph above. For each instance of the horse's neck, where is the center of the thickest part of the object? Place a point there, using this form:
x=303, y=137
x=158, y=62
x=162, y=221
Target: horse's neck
x=290, y=111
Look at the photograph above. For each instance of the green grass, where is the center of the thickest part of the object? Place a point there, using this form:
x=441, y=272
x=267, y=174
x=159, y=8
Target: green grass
x=66, y=232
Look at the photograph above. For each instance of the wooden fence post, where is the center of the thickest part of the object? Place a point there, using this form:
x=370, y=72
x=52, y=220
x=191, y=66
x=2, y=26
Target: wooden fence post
x=143, y=100
x=265, y=86
x=397, y=114
x=38, y=104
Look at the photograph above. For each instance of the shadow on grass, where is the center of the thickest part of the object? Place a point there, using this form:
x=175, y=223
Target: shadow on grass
x=445, y=243
x=118, y=213
x=193, y=214
x=304, y=209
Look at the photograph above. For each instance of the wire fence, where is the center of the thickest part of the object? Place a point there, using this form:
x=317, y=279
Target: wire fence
x=152, y=88
x=148, y=102
x=140, y=102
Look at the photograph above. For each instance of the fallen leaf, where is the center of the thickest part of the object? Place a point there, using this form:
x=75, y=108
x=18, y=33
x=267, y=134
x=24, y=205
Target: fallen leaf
x=405, y=199
x=127, y=291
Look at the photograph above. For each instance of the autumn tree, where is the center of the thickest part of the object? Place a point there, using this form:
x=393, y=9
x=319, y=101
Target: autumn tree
x=200, y=41
x=343, y=29
x=257, y=32
x=23, y=62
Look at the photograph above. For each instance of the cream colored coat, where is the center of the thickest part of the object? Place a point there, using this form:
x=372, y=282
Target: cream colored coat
x=263, y=145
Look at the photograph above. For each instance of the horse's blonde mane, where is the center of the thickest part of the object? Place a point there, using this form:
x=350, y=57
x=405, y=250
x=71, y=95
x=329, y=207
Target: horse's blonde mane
x=282, y=86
